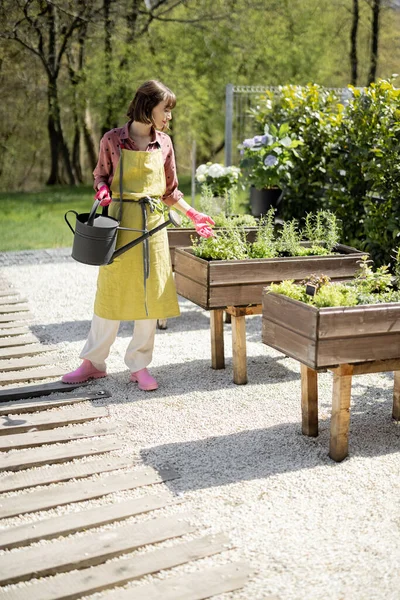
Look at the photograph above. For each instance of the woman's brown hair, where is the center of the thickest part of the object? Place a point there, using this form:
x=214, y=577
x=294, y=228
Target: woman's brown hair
x=146, y=98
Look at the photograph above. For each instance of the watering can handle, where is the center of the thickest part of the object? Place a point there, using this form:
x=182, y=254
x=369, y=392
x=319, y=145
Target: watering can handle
x=92, y=213
x=67, y=222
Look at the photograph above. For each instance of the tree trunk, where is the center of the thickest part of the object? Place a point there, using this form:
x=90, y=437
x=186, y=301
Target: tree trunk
x=108, y=55
x=353, y=43
x=90, y=146
x=58, y=147
x=376, y=8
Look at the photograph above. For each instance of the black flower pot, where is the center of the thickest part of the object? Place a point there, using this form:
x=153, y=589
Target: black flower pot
x=262, y=200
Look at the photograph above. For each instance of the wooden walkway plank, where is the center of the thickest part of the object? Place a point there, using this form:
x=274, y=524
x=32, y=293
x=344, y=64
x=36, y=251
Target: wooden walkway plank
x=7, y=332
x=63, y=525
x=190, y=586
x=74, y=492
x=13, y=308
x=24, y=350
x=21, y=316
x=17, y=364
x=20, y=340
x=59, y=435
x=30, y=375
x=43, y=389
x=13, y=324
x=95, y=579
x=29, y=405
x=11, y=298
x=62, y=472
x=91, y=549
x=19, y=460
x=8, y=291
x=50, y=419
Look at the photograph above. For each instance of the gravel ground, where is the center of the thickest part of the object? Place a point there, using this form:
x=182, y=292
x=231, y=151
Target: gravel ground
x=310, y=528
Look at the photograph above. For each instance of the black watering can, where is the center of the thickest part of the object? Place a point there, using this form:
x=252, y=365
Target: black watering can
x=95, y=235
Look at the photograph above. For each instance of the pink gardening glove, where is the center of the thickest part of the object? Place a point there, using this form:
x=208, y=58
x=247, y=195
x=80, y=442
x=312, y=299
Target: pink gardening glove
x=201, y=222
x=103, y=194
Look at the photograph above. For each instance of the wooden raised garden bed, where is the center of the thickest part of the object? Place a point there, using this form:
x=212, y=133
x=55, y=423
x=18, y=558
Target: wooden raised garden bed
x=236, y=286
x=347, y=340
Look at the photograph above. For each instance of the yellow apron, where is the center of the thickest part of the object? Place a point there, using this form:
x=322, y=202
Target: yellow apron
x=123, y=292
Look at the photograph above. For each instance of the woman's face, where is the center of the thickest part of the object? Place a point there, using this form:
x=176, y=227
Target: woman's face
x=161, y=115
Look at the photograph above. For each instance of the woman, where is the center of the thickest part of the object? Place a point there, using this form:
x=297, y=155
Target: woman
x=137, y=163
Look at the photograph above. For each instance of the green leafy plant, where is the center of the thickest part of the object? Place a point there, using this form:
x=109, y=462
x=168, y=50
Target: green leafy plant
x=288, y=242
x=322, y=228
x=368, y=287
x=267, y=159
x=265, y=245
x=269, y=243
x=226, y=244
x=289, y=288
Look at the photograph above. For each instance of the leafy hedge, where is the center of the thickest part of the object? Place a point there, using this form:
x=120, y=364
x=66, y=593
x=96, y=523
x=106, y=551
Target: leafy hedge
x=349, y=162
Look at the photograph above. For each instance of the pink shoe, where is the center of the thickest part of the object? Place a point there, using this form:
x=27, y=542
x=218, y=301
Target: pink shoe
x=145, y=381
x=83, y=373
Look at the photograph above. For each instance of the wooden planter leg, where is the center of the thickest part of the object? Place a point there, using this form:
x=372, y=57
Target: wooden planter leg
x=239, y=357
x=217, y=339
x=309, y=401
x=396, y=396
x=340, y=421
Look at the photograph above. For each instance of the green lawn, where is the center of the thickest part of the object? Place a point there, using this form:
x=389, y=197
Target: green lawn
x=30, y=221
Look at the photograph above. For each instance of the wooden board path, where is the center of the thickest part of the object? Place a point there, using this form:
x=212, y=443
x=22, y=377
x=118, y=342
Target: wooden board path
x=13, y=308
x=23, y=405
x=90, y=549
x=34, y=457
x=11, y=298
x=31, y=439
x=191, y=586
x=17, y=364
x=34, y=391
x=26, y=430
x=95, y=579
x=28, y=350
x=13, y=324
x=11, y=331
x=21, y=480
x=76, y=492
x=83, y=520
x=30, y=375
x=20, y=340
x=20, y=316
x=50, y=419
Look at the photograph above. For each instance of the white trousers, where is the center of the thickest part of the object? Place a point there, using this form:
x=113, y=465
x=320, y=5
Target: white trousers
x=102, y=335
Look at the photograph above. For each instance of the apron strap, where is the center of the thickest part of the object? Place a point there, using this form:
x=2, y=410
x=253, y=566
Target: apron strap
x=146, y=200
x=121, y=172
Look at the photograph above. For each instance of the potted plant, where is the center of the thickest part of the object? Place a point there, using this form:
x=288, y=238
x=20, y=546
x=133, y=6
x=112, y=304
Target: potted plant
x=219, y=182
x=266, y=164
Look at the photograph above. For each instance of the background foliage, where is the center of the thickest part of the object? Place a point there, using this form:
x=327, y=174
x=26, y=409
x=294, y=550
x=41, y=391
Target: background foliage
x=349, y=162
x=194, y=46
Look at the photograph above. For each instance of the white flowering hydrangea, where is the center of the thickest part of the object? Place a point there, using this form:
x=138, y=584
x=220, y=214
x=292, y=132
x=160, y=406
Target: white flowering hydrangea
x=219, y=178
